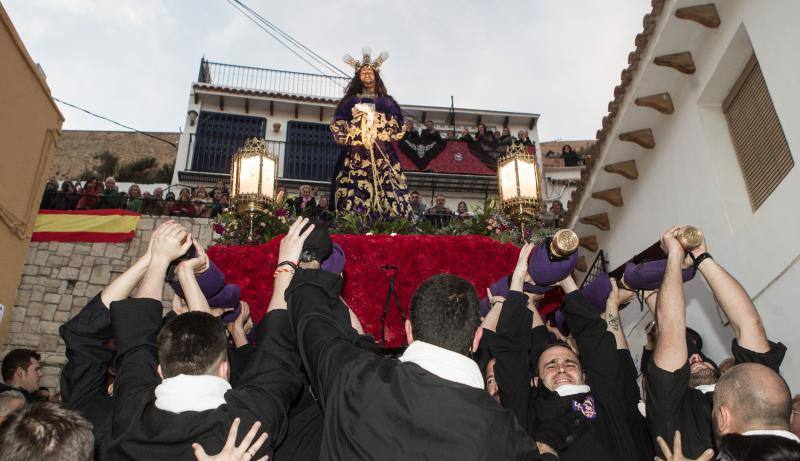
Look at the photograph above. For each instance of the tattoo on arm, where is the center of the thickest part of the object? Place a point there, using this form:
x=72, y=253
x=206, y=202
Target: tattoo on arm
x=613, y=322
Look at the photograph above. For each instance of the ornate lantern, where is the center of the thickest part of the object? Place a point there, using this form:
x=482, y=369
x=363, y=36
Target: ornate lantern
x=518, y=181
x=254, y=172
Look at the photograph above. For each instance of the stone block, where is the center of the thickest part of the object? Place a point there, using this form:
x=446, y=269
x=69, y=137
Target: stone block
x=41, y=257
x=57, y=261
x=23, y=297
x=30, y=270
x=17, y=314
x=146, y=223
x=37, y=293
x=65, y=249
x=45, y=271
x=80, y=289
x=62, y=286
x=14, y=327
x=101, y=260
x=205, y=235
x=52, y=298
x=145, y=237
x=76, y=261
x=65, y=304
x=51, y=285
x=49, y=328
x=35, y=310
x=31, y=280
x=92, y=290
x=53, y=246
x=101, y=275
x=30, y=326
x=48, y=313
x=69, y=273
x=115, y=250
x=85, y=273
x=57, y=359
x=98, y=249
x=78, y=302
x=50, y=382
x=61, y=316
x=48, y=343
x=83, y=248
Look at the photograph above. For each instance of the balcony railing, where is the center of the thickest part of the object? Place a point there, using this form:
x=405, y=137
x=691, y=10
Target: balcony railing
x=277, y=81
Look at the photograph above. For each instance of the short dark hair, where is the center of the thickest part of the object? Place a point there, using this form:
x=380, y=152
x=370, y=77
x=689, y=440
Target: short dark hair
x=551, y=345
x=738, y=447
x=46, y=431
x=445, y=312
x=191, y=344
x=18, y=358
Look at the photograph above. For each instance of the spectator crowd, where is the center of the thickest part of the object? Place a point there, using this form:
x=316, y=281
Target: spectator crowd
x=488, y=144
x=477, y=381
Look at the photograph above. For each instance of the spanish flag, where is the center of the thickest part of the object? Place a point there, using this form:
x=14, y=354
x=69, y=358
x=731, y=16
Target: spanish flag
x=109, y=226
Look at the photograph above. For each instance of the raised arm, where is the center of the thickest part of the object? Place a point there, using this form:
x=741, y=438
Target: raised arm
x=168, y=242
x=671, y=352
x=735, y=303
x=612, y=317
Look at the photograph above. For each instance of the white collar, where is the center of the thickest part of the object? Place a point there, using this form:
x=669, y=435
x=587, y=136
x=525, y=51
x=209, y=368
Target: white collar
x=775, y=432
x=565, y=390
x=706, y=388
x=191, y=393
x=445, y=364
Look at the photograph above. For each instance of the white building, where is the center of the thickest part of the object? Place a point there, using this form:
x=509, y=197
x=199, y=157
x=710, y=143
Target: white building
x=292, y=110
x=705, y=130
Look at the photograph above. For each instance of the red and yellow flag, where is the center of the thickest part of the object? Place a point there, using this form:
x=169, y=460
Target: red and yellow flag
x=110, y=226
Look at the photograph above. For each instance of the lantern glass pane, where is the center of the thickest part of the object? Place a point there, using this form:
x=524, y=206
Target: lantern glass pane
x=508, y=181
x=527, y=179
x=233, y=177
x=268, y=177
x=248, y=181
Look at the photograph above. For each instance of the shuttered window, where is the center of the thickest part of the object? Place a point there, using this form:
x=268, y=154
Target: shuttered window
x=758, y=138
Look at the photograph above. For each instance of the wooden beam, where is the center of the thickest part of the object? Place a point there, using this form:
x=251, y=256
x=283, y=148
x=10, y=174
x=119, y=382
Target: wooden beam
x=246, y=105
x=702, y=14
x=581, y=265
x=589, y=242
x=296, y=111
x=221, y=103
x=626, y=169
x=532, y=123
x=505, y=121
x=599, y=220
x=478, y=121
x=196, y=98
x=642, y=137
x=612, y=196
x=661, y=102
x=682, y=62
x=424, y=117
x=321, y=112
x=271, y=108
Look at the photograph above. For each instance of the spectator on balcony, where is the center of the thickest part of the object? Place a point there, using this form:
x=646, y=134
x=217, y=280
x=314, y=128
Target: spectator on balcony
x=465, y=136
x=50, y=195
x=220, y=186
x=216, y=204
x=323, y=209
x=551, y=154
x=451, y=135
x=417, y=206
x=463, y=211
x=67, y=198
x=183, y=207
x=154, y=204
x=505, y=138
x=522, y=138
x=202, y=203
x=557, y=210
x=429, y=134
x=110, y=197
x=440, y=208
x=305, y=205
x=571, y=158
x=88, y=200
x=135, y=199
x=411, y=134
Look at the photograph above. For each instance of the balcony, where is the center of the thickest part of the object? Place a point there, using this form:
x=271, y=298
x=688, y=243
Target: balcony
x=272, y=81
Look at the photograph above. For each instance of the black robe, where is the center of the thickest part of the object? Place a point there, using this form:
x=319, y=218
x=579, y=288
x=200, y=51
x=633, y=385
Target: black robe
x=380, y=408
x=673, y=406
x=83, y=379
x=609, y=437
x=141, y=431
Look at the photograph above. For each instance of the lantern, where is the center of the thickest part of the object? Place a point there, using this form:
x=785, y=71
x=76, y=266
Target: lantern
x=254, y=172
x=518, y=181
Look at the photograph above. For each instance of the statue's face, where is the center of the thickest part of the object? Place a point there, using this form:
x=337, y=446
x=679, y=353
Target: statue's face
x=367, y=76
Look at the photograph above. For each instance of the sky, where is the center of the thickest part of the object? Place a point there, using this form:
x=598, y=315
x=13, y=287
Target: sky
x=134, y=60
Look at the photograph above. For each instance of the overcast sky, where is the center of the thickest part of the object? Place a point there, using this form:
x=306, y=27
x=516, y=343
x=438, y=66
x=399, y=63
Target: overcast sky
x=134, y=60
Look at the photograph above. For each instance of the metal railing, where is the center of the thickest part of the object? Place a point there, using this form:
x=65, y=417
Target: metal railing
x=278, y=81
x=600, y=264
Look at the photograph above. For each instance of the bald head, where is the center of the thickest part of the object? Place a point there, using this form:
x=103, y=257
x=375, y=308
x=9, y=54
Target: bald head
x=749, y=397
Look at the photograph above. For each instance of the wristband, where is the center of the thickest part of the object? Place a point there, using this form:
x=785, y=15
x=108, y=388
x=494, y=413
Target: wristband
x=284, y=270
x=696, y=260
x=291, y=264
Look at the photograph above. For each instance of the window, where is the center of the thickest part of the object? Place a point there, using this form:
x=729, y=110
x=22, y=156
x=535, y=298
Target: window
x=310, y=151
x=219, y=136
x=758, y=139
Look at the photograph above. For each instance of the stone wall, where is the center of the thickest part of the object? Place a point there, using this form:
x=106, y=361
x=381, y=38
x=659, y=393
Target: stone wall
x=59, y=278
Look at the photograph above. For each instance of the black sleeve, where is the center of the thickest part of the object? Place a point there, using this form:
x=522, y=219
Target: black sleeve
x=629, y=375
x=83, y=379
x=135, y=323
x=512, y=351
x=667, y=393
x=772, y=358
x=597, y=346
x=325, y=347
x=540, y=338
x=239, y=358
